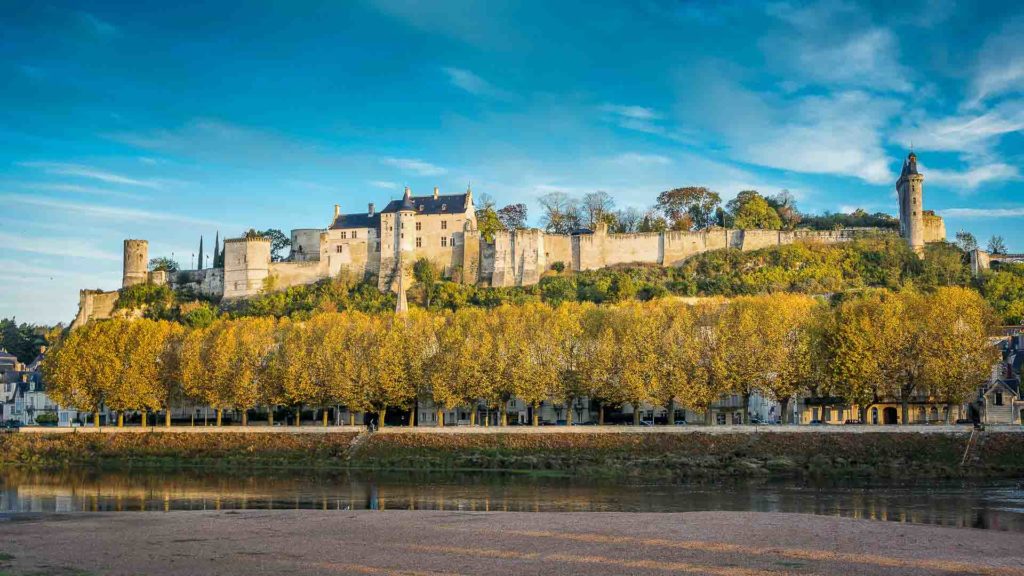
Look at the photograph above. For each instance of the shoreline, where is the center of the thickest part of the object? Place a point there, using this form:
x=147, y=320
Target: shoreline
x=438, y=542
x=628, y=454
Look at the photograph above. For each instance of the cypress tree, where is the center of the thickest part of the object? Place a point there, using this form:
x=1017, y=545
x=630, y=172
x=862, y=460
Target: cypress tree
x=200, y=266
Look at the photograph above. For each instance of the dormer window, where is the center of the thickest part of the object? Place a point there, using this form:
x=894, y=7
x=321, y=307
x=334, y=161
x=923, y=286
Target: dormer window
x=421, y=207
x=444, y=206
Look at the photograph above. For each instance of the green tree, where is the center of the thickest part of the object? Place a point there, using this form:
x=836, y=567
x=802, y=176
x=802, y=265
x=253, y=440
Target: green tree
x=751, y=211
x=163, y=264
x=279, y=243
x=996, y=245
x=425, y=273
x=689, y=208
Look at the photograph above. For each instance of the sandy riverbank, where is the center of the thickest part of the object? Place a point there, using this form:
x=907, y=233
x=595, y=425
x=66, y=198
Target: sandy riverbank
x=397, y=542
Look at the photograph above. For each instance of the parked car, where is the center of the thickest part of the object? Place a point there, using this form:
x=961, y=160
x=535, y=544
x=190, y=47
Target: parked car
x=817, y=423
x=11, y=424
x=853, y=421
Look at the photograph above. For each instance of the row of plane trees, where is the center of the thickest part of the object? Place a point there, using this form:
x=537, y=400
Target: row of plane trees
x=868, y=347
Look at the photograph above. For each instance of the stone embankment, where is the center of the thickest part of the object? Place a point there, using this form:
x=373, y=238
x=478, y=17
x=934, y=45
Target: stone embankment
x=622, y=452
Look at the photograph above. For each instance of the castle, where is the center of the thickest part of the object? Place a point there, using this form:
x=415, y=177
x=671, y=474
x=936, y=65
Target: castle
x=443, y=229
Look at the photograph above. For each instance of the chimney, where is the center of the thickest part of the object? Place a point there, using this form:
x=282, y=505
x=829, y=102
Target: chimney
x=435, y=192
x=371, y=209
x=337, y=211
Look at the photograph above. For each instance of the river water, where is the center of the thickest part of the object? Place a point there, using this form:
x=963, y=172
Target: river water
x=994, y=505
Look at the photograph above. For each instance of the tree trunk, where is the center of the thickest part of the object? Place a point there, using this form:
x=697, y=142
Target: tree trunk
x=219, y=414
x=270, y=415
x=949, y=412
x=167, y=417
x=905, y=410
x=600, y=414
x=636, y=414
x=568, y=411
x=672, y=412
x=298, y=415
x=96, y=418
x=440, y=418
x=120, y=419
x=412, y=414
x=351, y=418
x=381, y=414
x=472, y=416
x=325, y=416
x=785, y=417
x=746, y=408
x=504, y=413
x=245, y=417
x=535, y=417
x=145, y=419
x=708, y=416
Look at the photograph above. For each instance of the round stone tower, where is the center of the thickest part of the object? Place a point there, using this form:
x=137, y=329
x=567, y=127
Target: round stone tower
x=136, y=261
x=910, y=188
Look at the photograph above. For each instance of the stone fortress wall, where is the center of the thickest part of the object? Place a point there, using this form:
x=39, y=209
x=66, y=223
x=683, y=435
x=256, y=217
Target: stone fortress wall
x=453, y=243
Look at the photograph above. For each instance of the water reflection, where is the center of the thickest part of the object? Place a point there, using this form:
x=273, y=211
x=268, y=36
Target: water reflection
x=993, y=505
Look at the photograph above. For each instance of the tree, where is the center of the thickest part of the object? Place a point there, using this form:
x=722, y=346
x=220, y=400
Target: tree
x=561, y=213
x=487, y=222
x=425, y=273
x=80, y=368
x=959, y=355
x=784, y=204
x=652, y=222
x=596, y=207
x=627, y=220
x=966, y=241
x=163, y=264
x=750, y=210
x=513, y=216
x=1004, y=289
x=689, y=208
x=678, y=354
x=636, y=356
x=23, y=340
x=996, y=245
x=279, y=242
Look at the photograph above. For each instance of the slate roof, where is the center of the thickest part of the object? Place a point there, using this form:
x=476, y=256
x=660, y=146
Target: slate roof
x=444, y=204
x=909, y=168
x=363, y=220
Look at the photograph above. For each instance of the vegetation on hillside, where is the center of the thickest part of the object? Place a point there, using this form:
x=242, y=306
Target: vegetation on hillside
x=866, y=347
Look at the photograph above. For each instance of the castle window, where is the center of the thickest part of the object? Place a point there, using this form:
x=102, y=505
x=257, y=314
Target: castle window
x=419, y=225
x=444, y=241
x=444, y=224
x=354, y=234
x=419, y=242
x=344, y=235
x=453, y=241
x=338, y=248
x=401, y=236
x=378, y=247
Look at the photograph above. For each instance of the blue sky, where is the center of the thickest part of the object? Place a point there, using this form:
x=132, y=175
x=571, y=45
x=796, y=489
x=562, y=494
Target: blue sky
x=152, y=120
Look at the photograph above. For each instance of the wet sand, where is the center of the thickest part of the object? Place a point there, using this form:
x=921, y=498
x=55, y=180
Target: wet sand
x=247, y=543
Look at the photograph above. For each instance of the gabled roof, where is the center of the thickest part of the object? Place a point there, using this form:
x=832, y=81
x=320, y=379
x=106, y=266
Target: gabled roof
x=364, y=220
x=446, y=204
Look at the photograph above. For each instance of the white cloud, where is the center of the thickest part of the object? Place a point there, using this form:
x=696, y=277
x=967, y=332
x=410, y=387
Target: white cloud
x=56, y=246
x=472, y=83
x=975, y=133
x=76, y=189
x=80, y=171
x=111, y=212
x=972, y=178
x=385, y=184
x=1000, y=66
x=983, y=212
x=96, y=25
x=415, y=166
x=631, y=117
x=636, y=159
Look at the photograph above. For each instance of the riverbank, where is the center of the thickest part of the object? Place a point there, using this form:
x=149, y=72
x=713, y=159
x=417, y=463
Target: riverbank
x=641, y=454
x=397, y=542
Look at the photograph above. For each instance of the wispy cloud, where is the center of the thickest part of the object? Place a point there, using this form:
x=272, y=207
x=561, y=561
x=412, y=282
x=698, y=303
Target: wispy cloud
x=1000, y=66
x=972, y=178
x=111, y=212
x=96, y=25
x=415, y=166
x=90, y=172
x=57, y=246
x=983, y=212
x=636, y=159
x=76, y=189
x=472, y=83
x=384, y=184
x=632, y=117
